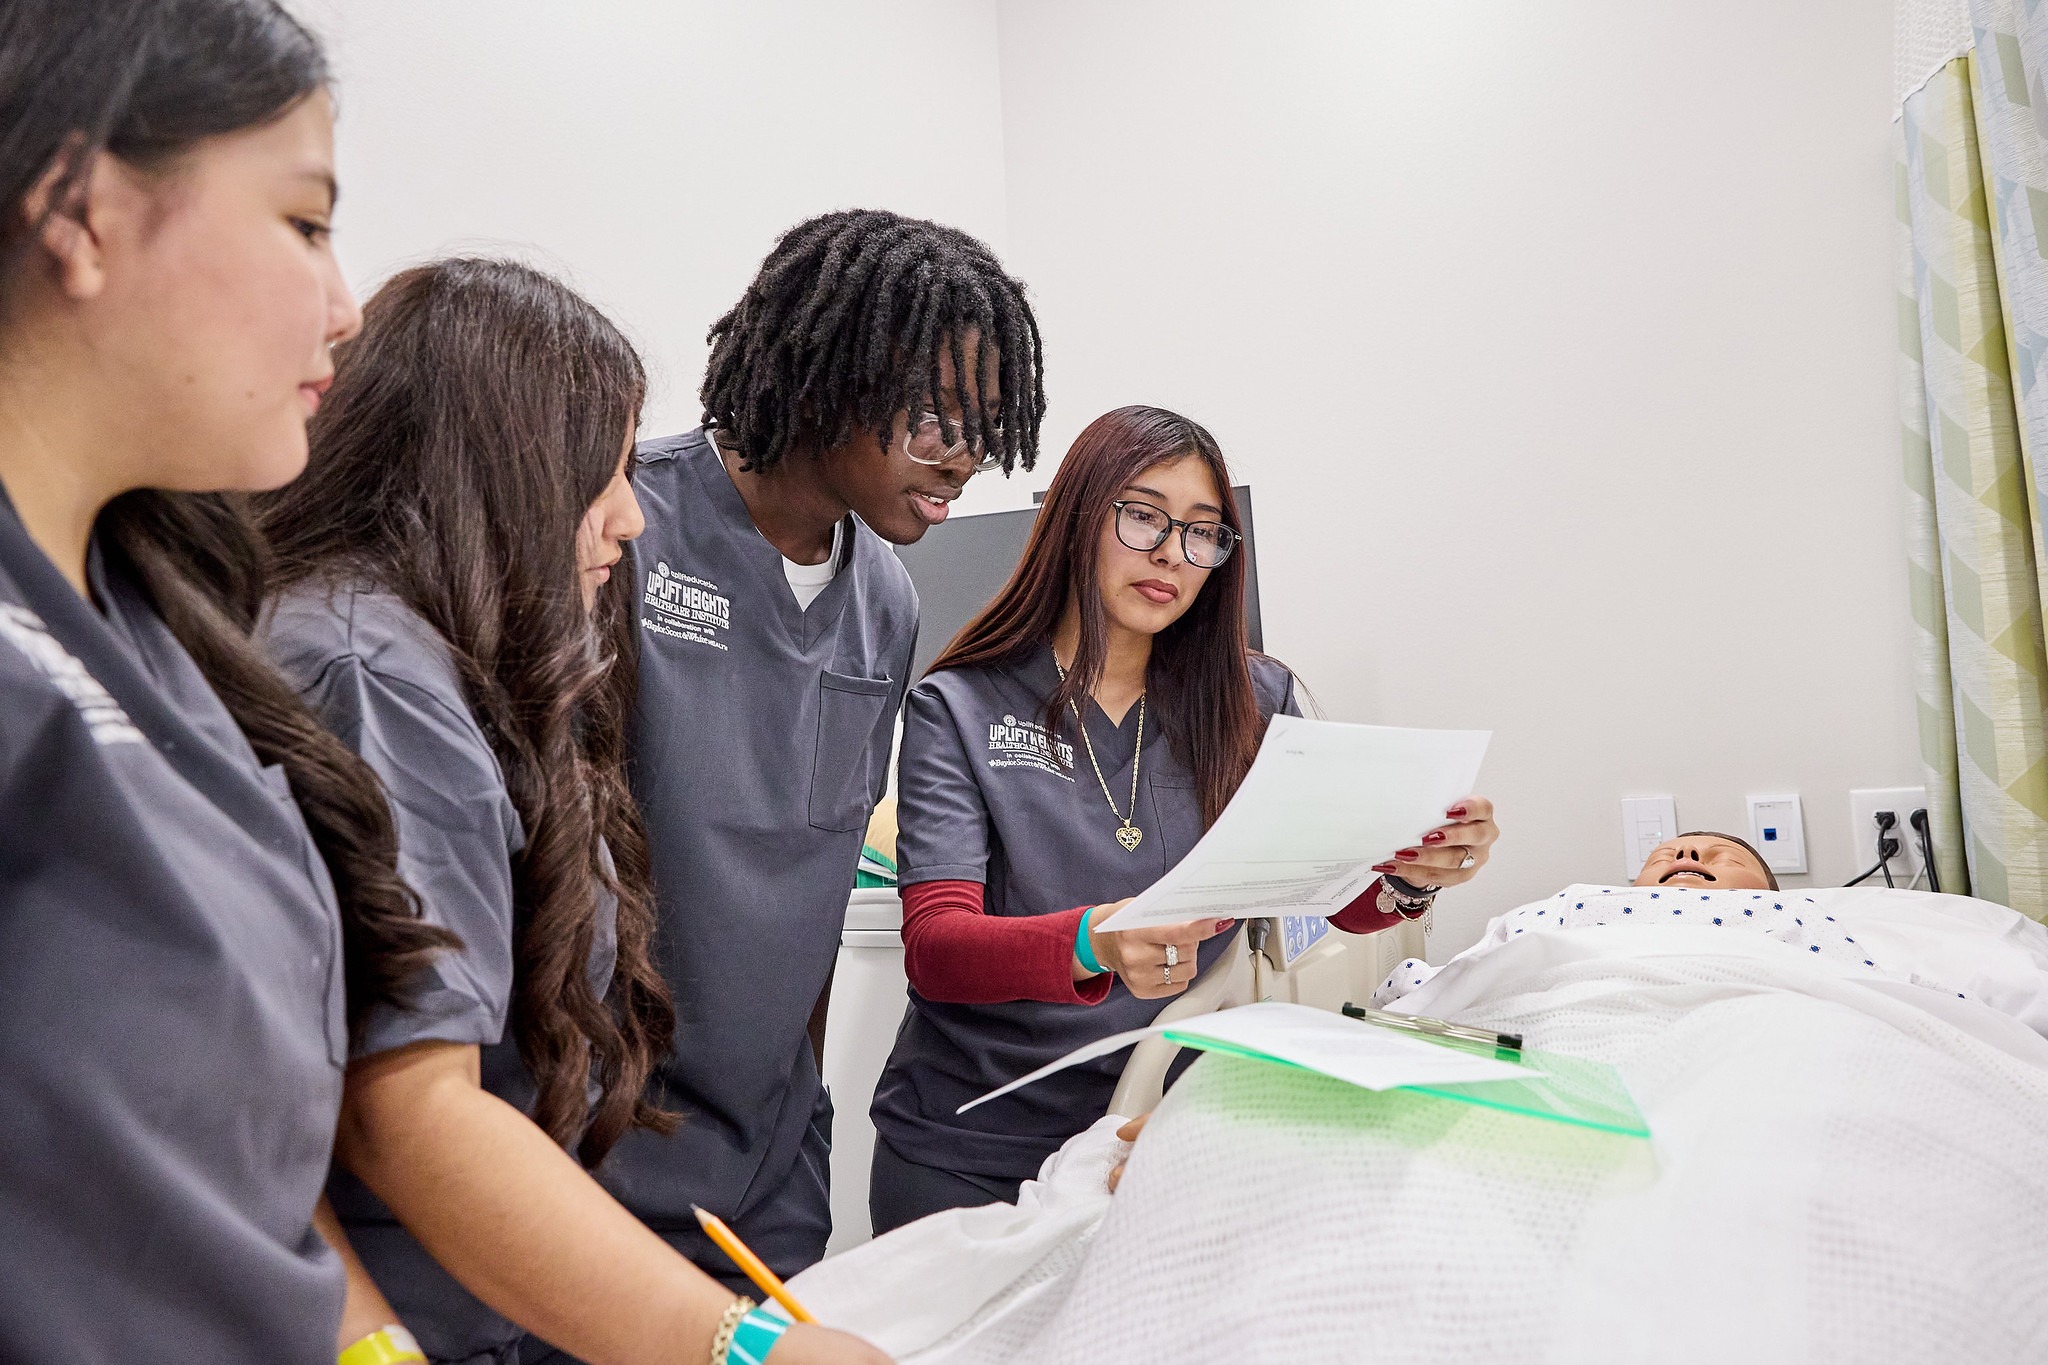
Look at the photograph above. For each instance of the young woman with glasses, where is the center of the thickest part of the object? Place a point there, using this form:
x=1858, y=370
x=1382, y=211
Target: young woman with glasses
x=1066, y=750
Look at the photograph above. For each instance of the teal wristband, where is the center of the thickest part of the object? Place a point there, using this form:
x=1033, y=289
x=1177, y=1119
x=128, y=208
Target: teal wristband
x=1085, y=950
x=755, y=1337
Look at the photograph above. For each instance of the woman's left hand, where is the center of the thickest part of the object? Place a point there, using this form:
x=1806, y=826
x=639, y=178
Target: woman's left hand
x=1452, y=854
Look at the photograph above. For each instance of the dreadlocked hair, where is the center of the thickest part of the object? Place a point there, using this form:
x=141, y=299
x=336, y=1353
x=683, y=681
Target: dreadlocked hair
x=844, y=328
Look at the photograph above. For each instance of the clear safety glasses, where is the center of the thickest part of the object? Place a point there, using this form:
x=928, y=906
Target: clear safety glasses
x=926, y=443
x=1143, y=527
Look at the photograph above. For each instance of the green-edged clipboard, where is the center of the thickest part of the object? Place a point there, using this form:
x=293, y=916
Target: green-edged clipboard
x=1570, y=1090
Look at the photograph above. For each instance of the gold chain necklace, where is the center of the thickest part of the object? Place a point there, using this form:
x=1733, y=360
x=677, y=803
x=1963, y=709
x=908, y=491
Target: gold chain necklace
x=1130, y=835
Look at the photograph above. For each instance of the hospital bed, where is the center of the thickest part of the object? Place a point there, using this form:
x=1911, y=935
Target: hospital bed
x=1848, y=1161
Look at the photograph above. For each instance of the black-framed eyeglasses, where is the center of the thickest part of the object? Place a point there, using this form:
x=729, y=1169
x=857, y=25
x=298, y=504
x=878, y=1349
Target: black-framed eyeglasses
x=1143, y=527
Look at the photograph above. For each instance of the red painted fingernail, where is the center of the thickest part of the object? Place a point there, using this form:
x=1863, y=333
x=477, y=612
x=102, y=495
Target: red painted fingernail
x=1435, y=836
x=1383, y=867
x=1223, y=924
x=1456, y=812
x=1407, y=855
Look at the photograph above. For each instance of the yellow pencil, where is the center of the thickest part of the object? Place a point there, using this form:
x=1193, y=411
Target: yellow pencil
x=729, y=1242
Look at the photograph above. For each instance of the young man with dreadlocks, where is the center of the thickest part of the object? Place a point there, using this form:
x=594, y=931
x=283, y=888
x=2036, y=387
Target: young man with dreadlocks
x=872, y=367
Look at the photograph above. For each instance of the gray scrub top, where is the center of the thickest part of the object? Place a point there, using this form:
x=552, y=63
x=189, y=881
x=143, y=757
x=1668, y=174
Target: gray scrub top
x=983, y=796
x=382, y=679
x=762, y=745
x=172, y=1014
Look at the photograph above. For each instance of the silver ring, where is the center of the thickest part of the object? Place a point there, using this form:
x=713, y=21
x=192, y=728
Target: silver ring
x=1469, y=860
x=1173, y=954
x=1167, y=968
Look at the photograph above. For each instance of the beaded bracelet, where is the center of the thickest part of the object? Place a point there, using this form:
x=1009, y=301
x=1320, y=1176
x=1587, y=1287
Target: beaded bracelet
x=1404, y=898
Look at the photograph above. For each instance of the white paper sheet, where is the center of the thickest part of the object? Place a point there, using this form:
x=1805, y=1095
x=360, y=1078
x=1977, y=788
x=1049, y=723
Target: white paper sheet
x=1363, y=1054
x=1322, y=803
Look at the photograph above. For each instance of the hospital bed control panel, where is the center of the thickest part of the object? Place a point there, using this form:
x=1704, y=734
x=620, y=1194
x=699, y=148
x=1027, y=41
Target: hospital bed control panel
x=1296, y=935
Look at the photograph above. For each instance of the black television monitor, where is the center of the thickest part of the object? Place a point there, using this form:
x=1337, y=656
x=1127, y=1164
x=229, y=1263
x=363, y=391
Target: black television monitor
x=962, y=562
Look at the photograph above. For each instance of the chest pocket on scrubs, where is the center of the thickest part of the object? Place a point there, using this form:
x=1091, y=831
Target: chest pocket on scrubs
x=1177, y=806
x=842, y=785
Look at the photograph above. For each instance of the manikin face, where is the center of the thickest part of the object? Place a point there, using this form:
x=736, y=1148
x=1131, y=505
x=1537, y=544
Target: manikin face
x=896, y=496
x=1145, y=591
x=207, y=294
x=611, y=521
x=1706, y=861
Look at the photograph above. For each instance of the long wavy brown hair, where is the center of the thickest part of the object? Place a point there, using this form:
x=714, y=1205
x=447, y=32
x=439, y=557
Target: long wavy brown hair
x=480, y=413
x=147, y=81
x=1199, y=681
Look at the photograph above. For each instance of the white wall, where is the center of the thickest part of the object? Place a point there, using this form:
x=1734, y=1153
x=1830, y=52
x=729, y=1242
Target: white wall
x=652, y=150
x=1556, y=341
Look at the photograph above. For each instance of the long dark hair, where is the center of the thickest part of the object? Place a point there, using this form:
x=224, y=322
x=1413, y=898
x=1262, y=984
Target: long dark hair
x=844, y=326
x=471, y=425
x=146, y=80
x=1199, y=679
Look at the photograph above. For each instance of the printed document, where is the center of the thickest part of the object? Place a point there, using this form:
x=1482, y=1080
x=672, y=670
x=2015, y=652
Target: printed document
x=1322, y=803
x=1363, y=1054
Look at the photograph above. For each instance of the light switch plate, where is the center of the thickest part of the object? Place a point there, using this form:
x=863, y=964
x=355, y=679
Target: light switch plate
x=1646, y=821
x=1777, y=831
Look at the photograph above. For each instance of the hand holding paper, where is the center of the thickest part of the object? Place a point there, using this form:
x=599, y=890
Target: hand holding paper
x=1322, y=803
x=1154, y=961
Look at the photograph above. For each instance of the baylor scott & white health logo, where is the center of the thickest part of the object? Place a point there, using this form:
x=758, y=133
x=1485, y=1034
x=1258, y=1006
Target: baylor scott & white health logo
x=685, y=607
x=1025, y=744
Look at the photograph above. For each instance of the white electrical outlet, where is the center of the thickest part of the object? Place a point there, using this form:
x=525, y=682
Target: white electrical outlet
x=1901, y=802
x=1778, y=832
x=1646, y=821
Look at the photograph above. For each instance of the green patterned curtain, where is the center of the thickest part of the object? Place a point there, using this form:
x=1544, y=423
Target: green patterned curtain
x=1973, y=209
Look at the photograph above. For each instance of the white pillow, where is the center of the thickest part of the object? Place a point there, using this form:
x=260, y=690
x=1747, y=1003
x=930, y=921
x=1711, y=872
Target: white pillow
x=1956, y=944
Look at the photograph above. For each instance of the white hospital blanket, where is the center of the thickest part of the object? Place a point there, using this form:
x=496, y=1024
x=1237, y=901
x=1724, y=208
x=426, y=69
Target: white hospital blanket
x=961, y=1285
x=1847, y=1167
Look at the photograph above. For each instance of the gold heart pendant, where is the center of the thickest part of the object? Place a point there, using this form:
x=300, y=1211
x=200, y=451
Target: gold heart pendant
x=1129, y=836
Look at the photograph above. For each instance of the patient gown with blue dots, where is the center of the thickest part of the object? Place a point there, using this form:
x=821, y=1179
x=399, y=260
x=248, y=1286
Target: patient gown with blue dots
x=1792, y=918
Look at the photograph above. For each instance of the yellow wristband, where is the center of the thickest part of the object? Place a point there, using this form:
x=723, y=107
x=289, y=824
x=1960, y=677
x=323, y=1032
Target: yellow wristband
x=386, y=1346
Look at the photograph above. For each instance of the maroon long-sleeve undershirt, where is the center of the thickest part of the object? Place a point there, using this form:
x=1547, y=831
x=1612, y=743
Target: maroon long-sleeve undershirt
x=954, y=953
